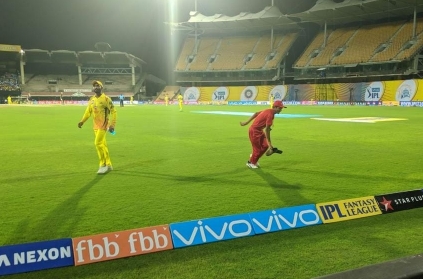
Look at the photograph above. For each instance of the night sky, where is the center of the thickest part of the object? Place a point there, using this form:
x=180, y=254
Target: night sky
x=133, y=26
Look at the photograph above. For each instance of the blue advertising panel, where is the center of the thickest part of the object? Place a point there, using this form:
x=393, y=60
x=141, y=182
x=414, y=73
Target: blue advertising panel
x=35, y=256
x=242, y=103
x=210, y=230
x=285, y=218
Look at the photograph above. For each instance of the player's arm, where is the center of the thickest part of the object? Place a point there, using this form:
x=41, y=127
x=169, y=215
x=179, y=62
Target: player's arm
x=113, y=114
x=266, y=131
x=86, y=115
x=249, y=120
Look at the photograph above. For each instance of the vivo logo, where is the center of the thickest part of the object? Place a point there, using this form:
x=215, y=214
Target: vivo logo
x=210, y=230
x=285, y=218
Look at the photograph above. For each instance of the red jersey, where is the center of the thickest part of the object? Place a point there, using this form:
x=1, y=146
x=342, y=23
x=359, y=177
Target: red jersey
x=265, y=118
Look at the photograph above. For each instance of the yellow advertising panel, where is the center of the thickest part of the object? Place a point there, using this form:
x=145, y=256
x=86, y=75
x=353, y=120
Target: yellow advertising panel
x=390, y=90
x=235, y=93
x=343, y=210
x=11, y=48
x=375, y=91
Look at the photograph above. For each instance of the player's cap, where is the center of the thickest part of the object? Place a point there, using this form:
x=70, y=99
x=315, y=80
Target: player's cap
x=278, y=104
x=97, y=82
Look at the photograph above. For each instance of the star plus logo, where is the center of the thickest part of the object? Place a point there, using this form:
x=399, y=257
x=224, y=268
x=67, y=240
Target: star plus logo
x=386, y=204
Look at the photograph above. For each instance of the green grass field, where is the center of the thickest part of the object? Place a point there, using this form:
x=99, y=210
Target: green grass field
x=172, y=166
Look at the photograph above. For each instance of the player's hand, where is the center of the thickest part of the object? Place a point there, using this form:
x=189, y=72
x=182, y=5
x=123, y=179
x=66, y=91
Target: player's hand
x=269, y=151
x=242, y=123
x=111, y=129
x=80, y=124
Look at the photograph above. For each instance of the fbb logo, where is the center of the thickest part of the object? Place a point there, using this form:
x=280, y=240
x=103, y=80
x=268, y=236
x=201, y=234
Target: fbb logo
x=115, y=245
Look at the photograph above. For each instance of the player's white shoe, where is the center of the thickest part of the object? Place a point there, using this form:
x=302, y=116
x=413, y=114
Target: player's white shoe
x=109, y=167
x=103, y=170
x=257, y=164
x=251, y=165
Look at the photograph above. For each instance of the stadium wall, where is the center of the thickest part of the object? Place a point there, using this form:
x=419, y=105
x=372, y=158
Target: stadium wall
x=90, y=249
x=384, y=91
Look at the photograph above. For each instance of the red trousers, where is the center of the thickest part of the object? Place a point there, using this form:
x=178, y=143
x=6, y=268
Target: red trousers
x=259, y=144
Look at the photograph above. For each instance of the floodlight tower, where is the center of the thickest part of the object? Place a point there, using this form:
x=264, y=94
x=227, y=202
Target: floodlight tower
x=195, y=30
x=271, y=32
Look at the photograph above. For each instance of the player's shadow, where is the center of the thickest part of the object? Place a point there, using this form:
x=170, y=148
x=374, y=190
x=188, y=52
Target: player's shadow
x=289, y=193
x=60, y=221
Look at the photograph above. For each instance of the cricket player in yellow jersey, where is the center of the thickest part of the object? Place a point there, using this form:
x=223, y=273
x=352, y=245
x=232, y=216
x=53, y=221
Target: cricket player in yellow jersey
x=271, y=100
x=166, y=99
x=180, y=101
x=104, y=119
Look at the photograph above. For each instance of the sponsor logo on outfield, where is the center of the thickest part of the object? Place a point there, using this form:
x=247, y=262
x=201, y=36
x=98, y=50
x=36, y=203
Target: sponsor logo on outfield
x=220, y=94
x=244, y=103
x=406, y=90
x=115, y=245
x=374, y=91
x=400, y=201
x=284, y=218
x=35, y=256
x=411, y=104
x=342, y=210
x=249, y=94
x=192, y=94
x=390, y=103
x=278, y=92
x=211, y=230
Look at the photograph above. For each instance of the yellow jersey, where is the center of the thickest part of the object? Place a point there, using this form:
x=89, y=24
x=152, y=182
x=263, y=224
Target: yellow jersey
x=103, y=111
x=180, y=98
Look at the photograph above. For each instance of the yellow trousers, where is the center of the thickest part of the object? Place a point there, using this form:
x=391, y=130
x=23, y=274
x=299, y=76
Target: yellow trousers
x=101, y=146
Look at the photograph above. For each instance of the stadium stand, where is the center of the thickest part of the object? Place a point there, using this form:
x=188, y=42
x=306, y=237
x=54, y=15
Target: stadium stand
x=207, y=48
x=281, y=50
x=171, y=92
x=260, y=53
x=232, y=52
x=311, y=50
x=350, y=40
x=69, y=74
x=363, y=43
x=357, y=39
x=9, y=82
x=187, y=51
x=336, y=39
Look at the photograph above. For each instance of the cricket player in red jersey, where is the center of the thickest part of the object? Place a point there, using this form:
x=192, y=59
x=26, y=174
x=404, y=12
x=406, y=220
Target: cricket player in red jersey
x=104, y=117
x=259, y=133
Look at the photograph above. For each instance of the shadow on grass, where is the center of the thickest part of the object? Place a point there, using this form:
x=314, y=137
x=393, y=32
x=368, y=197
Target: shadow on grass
x=286, y=192
x=365, y=177
x=200, y=178
x=60, y=221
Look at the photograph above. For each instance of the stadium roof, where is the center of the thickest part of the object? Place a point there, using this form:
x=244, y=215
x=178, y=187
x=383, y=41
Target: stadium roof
x=263, y=20
x=82, y=57
x=347, y=11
